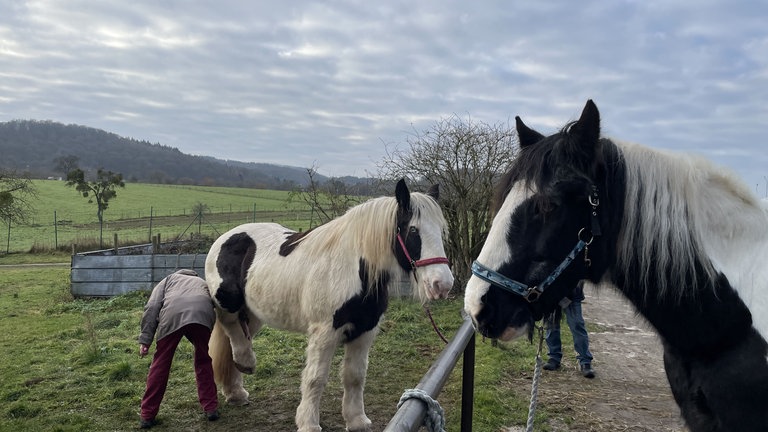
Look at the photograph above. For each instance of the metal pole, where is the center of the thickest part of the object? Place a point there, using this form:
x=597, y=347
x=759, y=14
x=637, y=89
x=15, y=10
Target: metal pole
x=468, y=385
x=410, y=416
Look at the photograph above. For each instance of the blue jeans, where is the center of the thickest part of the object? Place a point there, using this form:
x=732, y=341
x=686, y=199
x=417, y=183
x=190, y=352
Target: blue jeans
x=578, y=330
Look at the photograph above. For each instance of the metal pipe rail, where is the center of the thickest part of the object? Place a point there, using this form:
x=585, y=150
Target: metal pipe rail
x=410, y=416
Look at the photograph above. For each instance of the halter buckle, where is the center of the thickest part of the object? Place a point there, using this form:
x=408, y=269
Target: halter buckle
x=532, y=294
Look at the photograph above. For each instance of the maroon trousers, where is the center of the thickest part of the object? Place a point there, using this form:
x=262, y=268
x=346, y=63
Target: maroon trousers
x=157, y=380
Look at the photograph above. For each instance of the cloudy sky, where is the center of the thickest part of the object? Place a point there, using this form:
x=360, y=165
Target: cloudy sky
x=331, y=84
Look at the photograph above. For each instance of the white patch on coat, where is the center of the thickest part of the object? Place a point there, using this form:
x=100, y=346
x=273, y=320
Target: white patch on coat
x=495, y=251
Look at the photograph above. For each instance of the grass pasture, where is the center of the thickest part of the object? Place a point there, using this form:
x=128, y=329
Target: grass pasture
x=72, y=365
x=61, y=216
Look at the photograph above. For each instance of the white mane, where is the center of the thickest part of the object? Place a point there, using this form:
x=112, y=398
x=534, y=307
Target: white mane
x=686, y=209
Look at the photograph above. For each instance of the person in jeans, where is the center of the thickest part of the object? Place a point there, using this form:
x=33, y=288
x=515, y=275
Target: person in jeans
x=179, y=306
x=571, y=305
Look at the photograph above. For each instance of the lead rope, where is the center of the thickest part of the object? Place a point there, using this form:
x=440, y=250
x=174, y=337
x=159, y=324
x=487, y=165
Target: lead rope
x=535, y=385
x=434, y=325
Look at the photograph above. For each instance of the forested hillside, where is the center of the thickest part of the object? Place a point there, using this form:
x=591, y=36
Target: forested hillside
x=33, y=147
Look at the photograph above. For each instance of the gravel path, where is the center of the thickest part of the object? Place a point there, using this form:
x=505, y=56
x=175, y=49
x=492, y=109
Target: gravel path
x=630, y=391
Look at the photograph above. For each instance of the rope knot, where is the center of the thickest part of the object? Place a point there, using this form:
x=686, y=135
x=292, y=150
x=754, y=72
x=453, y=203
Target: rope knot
x=434, y=421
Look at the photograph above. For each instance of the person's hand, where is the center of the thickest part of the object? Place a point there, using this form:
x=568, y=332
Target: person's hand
x=143, y=350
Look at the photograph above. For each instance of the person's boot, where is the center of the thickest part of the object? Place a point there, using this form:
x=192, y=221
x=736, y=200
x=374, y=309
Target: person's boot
x=147, y=423
x=551, y=365
x=587, y=371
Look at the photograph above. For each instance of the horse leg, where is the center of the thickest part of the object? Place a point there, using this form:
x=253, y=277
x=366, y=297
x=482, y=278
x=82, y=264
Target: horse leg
x=242, y=348
x=322, y=343
x=353, y=373
x=227, y=377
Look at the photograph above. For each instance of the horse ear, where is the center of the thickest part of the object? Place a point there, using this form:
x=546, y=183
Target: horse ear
x=403, y=195
x=587, y=128
x=434, y=191
x=525, y=135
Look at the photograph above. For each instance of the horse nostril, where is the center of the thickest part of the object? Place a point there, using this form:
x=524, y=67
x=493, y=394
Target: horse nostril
x=441, y=288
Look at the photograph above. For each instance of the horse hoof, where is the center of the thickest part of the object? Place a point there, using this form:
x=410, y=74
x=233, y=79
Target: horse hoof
x=244, y=369
x=238, y=402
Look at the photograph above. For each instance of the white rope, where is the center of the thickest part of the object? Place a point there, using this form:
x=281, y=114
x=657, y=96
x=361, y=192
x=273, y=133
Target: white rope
x=535, y=384
x=434, y=420
x=534, y=394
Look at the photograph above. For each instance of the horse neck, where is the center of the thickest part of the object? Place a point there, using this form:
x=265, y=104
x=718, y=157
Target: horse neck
x=719, y=273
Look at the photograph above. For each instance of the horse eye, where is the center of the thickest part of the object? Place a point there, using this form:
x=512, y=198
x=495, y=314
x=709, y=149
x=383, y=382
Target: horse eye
x=413, y=230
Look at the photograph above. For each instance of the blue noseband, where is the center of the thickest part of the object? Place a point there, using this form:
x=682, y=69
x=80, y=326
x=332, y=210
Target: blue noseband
x=530, y=293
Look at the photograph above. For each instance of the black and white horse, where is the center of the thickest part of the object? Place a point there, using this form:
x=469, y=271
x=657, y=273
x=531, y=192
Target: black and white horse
x=331, y=283
x=683, y=240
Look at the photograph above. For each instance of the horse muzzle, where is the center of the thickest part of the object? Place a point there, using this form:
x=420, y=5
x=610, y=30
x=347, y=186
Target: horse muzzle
x=439, y=285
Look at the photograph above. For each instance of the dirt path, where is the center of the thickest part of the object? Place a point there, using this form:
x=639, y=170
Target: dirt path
x=630, y=391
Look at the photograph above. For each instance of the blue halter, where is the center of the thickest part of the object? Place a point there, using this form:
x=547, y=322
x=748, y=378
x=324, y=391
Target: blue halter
x=532, y=293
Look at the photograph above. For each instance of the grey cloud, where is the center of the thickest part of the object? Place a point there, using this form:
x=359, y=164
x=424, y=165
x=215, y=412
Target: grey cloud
x=327, y=84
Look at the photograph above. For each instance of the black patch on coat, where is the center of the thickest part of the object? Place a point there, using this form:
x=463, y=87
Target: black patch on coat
x=364, y=310
x=412, y=240
x=727, y=392
x=233, y=262
x=291, y=241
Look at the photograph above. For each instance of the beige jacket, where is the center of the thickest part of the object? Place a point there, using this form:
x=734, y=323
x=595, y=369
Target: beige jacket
x=181, y=298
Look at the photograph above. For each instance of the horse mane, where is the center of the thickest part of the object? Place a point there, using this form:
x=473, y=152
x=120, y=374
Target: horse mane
x=370, y=229
x=673, y=202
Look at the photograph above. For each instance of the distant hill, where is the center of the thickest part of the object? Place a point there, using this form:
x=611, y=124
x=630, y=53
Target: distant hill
x=32, y=147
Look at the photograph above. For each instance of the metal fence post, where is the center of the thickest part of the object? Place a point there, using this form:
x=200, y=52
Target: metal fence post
x=410, y=416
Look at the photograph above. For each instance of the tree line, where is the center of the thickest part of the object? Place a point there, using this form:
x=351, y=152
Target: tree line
x=32, y=147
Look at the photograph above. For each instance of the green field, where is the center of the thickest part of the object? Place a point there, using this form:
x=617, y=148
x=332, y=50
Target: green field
x=62, y=217
x=72, y=365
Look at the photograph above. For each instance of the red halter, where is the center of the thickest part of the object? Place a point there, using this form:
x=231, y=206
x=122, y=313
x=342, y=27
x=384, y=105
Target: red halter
x=423, y=262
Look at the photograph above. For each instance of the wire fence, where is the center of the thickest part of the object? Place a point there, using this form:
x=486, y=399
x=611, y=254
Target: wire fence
x=65, y=231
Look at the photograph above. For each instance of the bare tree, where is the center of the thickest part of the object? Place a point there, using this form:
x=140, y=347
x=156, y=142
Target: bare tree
x=327, y=200
x=65, y=164
x=200, y=210
x=465, y=158
x=16, y=194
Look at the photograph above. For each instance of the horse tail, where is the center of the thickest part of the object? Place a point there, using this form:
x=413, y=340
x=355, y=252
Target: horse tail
x=220, y=350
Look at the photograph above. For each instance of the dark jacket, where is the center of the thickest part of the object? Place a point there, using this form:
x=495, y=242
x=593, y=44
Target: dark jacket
x=578, y=293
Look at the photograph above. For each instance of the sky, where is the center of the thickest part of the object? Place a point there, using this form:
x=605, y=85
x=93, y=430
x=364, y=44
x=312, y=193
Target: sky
x=336, y=84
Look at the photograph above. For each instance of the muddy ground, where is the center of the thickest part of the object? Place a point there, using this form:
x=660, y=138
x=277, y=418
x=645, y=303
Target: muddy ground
x=630, y=391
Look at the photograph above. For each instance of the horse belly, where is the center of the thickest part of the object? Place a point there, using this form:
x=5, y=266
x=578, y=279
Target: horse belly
x=275, y=302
